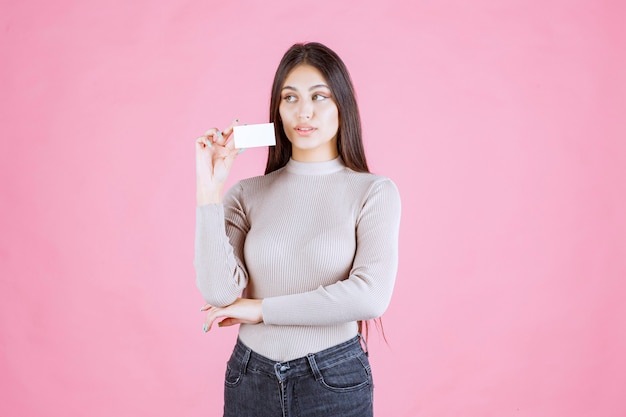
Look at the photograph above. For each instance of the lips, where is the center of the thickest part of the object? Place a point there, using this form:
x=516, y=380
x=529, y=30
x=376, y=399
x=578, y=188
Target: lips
x=304, y=130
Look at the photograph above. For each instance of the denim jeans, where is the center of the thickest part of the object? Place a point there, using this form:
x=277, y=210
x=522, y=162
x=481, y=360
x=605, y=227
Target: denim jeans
x=334, y=382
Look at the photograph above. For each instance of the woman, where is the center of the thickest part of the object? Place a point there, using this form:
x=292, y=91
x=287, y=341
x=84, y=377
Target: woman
x=301, y=255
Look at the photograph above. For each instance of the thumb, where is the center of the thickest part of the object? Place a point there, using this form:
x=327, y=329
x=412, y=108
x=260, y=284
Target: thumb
x=229, y=321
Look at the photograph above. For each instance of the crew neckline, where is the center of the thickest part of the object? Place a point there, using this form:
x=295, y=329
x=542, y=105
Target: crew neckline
x=315, y=168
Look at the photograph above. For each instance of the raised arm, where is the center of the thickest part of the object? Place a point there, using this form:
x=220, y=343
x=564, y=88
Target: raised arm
x=220, y=273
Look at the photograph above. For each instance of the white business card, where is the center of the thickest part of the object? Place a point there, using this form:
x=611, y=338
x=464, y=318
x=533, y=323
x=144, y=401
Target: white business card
x=250, y=136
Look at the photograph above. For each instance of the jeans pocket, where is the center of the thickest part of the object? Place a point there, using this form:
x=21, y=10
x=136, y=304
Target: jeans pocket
x=233, y=376
x=350, y=374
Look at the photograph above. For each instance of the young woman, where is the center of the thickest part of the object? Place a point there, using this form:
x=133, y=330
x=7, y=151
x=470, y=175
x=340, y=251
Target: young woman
x=300, y=256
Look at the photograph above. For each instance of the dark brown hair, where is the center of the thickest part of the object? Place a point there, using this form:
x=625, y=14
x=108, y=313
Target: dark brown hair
x=349, y=139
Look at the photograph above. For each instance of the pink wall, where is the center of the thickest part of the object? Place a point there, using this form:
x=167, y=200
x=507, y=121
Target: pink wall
x=501, y=122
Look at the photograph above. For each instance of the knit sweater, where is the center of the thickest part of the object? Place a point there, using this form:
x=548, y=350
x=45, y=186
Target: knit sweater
x=317, y=242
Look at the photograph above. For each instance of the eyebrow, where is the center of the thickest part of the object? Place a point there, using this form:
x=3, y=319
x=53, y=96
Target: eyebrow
x=288, y=87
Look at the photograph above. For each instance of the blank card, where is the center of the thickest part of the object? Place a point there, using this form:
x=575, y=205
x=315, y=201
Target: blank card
x=249, y=136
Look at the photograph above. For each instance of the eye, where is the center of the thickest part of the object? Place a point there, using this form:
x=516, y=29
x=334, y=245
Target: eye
x=289, y=98
x=319, y=97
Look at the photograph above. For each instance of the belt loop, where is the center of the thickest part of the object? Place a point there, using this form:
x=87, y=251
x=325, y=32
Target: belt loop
x=244, y=361
x=366, y=350
x=314, y=368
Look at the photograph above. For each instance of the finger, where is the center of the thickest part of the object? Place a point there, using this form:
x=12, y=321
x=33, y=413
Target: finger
x=229, y=130
x=222, y=137
x=206, y=307
x=212, y=134
x=202, y=142
x=229, y=321
x=218, y=139
x=230, y=145
x=208, y=323
x=212, y=315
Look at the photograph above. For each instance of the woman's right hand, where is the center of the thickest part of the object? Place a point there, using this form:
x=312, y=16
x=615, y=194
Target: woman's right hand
x=215, y=155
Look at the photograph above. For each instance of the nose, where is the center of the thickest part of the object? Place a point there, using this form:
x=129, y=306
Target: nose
x=305, y=110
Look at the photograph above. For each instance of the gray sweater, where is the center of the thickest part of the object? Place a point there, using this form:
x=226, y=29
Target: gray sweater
x=317, y=242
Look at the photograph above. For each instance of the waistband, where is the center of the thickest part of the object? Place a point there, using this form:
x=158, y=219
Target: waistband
x=313, y=362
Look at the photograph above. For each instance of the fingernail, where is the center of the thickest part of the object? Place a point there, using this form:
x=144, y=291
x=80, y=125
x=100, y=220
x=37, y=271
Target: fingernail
x=241, y=150
x=205, y=327
x=219, y=134
x=219, y=324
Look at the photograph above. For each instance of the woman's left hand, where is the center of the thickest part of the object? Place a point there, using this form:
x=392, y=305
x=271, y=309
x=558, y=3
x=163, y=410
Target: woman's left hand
x=243, y=310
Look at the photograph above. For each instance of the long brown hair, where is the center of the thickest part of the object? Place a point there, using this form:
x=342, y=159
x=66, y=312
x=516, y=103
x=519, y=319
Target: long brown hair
x=349, y=139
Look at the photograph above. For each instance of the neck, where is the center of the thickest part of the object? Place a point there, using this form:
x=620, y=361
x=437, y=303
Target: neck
x=315, y=168
x=313, y=155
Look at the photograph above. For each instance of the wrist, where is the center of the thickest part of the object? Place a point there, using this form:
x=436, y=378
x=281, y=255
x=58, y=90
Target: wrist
x=260, y=309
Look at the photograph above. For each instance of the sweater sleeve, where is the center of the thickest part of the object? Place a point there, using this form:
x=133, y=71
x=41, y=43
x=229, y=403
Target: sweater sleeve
x=218, y=259
x=366, y=292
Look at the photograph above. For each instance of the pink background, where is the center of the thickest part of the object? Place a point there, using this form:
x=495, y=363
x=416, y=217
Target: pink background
x=502, y=122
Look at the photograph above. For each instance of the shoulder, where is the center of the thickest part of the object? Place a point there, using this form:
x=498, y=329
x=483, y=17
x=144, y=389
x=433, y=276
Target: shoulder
x=252, y=185
x=373, y=184
x=379, y=203
x=379, y=198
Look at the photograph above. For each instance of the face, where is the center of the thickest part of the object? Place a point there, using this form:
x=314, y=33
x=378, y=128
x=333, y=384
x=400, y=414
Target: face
x=310, y=115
